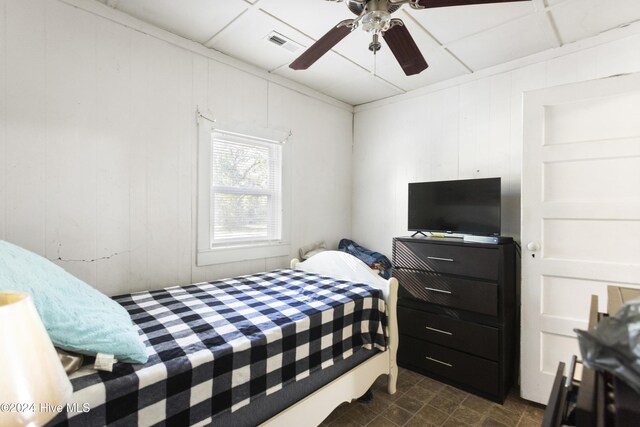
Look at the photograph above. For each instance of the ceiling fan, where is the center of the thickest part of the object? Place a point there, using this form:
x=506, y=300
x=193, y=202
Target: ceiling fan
x=375, y=18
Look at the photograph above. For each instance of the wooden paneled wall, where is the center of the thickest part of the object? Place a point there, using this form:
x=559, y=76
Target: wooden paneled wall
x=98, y=146
x=466, y=130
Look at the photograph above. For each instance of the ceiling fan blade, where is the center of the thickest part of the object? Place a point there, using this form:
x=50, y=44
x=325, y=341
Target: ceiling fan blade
x=405, y=50
x=447, y=3
x=322, y=46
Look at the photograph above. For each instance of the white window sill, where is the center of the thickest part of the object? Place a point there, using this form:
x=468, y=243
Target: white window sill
x=222, y=255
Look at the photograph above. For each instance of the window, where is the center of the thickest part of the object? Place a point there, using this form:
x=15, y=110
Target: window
x=246, y=202
x=240, y=193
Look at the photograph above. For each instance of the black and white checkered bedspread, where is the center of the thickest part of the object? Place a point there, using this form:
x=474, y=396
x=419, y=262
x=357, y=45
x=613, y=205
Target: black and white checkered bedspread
x=216, y=346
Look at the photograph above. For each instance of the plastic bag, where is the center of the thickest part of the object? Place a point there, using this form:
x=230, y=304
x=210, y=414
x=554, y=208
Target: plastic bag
x=614, y=346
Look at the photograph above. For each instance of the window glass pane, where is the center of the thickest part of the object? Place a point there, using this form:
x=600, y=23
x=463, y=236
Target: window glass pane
x=246, y=191
x=240, y=216
x=240, y=165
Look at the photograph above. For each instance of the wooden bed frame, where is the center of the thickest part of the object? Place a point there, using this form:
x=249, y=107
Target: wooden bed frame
x=317, y=406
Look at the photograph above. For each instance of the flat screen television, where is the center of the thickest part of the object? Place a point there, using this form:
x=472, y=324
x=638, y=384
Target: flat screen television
x=469, y=206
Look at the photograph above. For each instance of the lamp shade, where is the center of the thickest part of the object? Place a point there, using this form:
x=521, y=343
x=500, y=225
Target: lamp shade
x=33, y=384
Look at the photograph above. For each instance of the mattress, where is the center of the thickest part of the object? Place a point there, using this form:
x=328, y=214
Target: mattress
x=216, y=347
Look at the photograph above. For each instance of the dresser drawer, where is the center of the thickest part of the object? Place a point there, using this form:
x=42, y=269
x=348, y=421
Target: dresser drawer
x=477, y=262
x=469, y=337
x=473, y=371
x=471, y=295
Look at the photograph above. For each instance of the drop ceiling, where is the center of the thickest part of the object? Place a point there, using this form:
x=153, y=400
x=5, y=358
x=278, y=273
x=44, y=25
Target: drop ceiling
x=454, y=40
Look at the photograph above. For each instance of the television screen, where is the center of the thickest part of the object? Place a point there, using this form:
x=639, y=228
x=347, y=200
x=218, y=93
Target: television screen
x=470, y=206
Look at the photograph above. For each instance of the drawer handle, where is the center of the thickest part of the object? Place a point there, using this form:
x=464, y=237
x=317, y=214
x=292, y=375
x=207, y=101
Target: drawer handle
x=435, y=258
x=442, y=291
x=439, y=361
x=440, y=331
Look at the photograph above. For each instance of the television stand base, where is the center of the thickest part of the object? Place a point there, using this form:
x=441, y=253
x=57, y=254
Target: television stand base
x=418, y=232
x=492, y=240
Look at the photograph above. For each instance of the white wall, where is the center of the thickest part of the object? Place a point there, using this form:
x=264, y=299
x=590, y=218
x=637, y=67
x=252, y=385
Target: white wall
x=471, y=129
x=98, y=147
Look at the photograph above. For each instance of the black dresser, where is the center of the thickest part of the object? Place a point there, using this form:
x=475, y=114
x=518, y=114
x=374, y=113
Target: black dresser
x=457, y=312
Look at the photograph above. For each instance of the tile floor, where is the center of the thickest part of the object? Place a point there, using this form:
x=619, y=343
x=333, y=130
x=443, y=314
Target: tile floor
x=423, y=402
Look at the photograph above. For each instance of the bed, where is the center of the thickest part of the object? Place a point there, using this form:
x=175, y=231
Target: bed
x=279, y=348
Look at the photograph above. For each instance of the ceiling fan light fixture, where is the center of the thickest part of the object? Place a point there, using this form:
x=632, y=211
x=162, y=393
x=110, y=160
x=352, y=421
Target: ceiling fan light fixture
x=376, y=21
x=375, y=17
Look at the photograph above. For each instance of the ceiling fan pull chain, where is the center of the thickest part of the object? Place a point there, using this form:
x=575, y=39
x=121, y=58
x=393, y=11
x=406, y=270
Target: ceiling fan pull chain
x=375, y=63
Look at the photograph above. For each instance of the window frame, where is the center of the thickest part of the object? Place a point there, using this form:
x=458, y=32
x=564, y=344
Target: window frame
x=210, y=252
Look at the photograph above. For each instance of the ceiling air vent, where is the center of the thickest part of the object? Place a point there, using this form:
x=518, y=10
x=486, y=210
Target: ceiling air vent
x=283, y=42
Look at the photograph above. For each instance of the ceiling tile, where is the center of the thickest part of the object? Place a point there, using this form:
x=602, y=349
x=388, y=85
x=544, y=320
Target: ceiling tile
x=442, y=66
x=314, y=18
x=576, y=20
x=246, y=39
x=328, y=70
x=196, y=20
x=507, y=42
x=361, y=87
x=448, y=24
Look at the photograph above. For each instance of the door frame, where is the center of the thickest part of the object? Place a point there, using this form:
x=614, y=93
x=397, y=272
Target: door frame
x=534, y=381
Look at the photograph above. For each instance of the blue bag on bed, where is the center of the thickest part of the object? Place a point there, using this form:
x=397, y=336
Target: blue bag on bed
x=373, y=259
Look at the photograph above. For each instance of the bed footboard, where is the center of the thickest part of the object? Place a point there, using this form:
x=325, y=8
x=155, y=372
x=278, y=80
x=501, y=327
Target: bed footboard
x=314, y=408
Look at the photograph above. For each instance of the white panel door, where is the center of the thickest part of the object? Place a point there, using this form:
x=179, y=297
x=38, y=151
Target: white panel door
x=580, y=214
